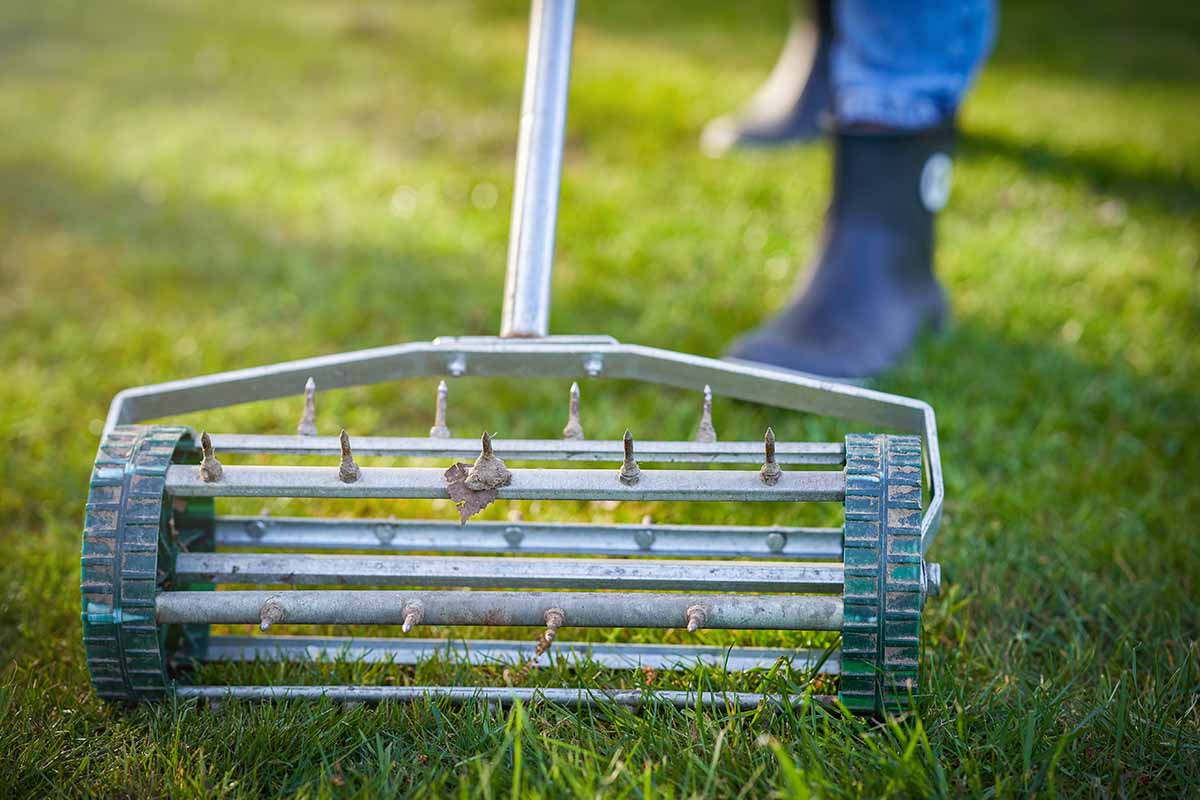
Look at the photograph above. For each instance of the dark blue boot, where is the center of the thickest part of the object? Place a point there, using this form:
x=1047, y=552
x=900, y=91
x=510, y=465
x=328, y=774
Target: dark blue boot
x=793, y=104
x=872, y=289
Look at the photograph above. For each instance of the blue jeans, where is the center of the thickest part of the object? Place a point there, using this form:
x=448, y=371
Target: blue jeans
x=907, y=63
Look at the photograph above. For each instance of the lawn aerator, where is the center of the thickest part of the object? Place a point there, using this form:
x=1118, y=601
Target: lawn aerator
x=153, y=547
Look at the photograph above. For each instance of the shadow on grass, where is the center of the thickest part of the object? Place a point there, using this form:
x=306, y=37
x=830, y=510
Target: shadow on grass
x=1103, y=172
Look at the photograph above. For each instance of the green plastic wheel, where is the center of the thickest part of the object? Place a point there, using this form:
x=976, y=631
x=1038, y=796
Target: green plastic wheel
x=883, y=592
x=132, y=532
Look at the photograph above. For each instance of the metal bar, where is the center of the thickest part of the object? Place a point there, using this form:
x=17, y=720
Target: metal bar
x=809, y=453
x=566, y=357
x=574, y=698
x=527, y=484
x=726, y=541
x=301, y=569
x=581, y=609
x=621, y=655
x=539, y=170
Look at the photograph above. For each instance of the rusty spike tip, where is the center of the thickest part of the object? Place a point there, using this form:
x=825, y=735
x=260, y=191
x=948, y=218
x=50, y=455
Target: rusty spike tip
x=630, y=472
x=348, y=471
x=555, y=619
x=210, y=469
x=412, y=616
x=770, y=472
x=270, y=613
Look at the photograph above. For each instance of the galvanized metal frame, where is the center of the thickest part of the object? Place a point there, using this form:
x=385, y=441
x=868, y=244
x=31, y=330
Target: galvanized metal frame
x=560, y=357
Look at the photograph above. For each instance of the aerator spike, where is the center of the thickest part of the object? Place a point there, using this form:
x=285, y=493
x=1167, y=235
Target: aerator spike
x=348, y=472
x=439, y=429
x=413, y=613
x=630, y=473
x=270, y=613
x=210, y=468
x=706, y=432
x=770, y=472
x=308, y=417
x=488, y=471
x=555, y=619
x=695, y=618
x=573, y=430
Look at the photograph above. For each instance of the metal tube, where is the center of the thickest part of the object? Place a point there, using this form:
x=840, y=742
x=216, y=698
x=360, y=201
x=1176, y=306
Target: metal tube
x=526, y=484
x=714, y=541
x=810, y=453
x=582, y=609
x=539, y=170
x=616, y=655
x=576, y=698
x=300, y=569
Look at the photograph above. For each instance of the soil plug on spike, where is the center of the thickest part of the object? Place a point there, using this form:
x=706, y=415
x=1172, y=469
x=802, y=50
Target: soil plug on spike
x=488, y=471
x=348, y=472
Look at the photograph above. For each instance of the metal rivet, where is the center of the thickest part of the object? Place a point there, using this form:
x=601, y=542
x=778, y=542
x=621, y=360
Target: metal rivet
x=593, y=365
x=573, y=430
x=348, y=472
x=630, y=473
x=644, y=538
x=271, y=612
x=385, y=532
x=256, y=529
x=308, y=417
x=457, y=366
x=695, y=618
x=439, y=429
x=210, y=469
x=706, y=432
x=770, y=472
x=513, y=535
x=776, y=541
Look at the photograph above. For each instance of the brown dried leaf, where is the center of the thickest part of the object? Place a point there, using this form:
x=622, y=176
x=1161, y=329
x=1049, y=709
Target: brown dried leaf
x=468, y=501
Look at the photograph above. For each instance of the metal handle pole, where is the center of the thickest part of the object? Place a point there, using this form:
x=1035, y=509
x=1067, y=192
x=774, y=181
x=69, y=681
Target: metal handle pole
x=539, y=170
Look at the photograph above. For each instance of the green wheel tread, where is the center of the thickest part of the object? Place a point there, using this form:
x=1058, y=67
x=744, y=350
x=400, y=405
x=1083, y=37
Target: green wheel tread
x=883, y=573
x=127, y=522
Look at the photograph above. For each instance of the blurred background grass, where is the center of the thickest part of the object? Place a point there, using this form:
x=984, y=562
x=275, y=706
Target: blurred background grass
x=188, y=187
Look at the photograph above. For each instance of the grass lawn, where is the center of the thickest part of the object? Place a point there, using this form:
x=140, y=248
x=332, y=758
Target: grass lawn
x=191, y=187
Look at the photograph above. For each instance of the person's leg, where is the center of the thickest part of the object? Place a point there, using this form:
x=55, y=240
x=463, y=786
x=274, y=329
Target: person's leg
x=795, y=103
x=900, y=70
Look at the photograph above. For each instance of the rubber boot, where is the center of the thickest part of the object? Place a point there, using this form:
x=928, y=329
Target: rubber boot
x=793, y=104
x=872, y=289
